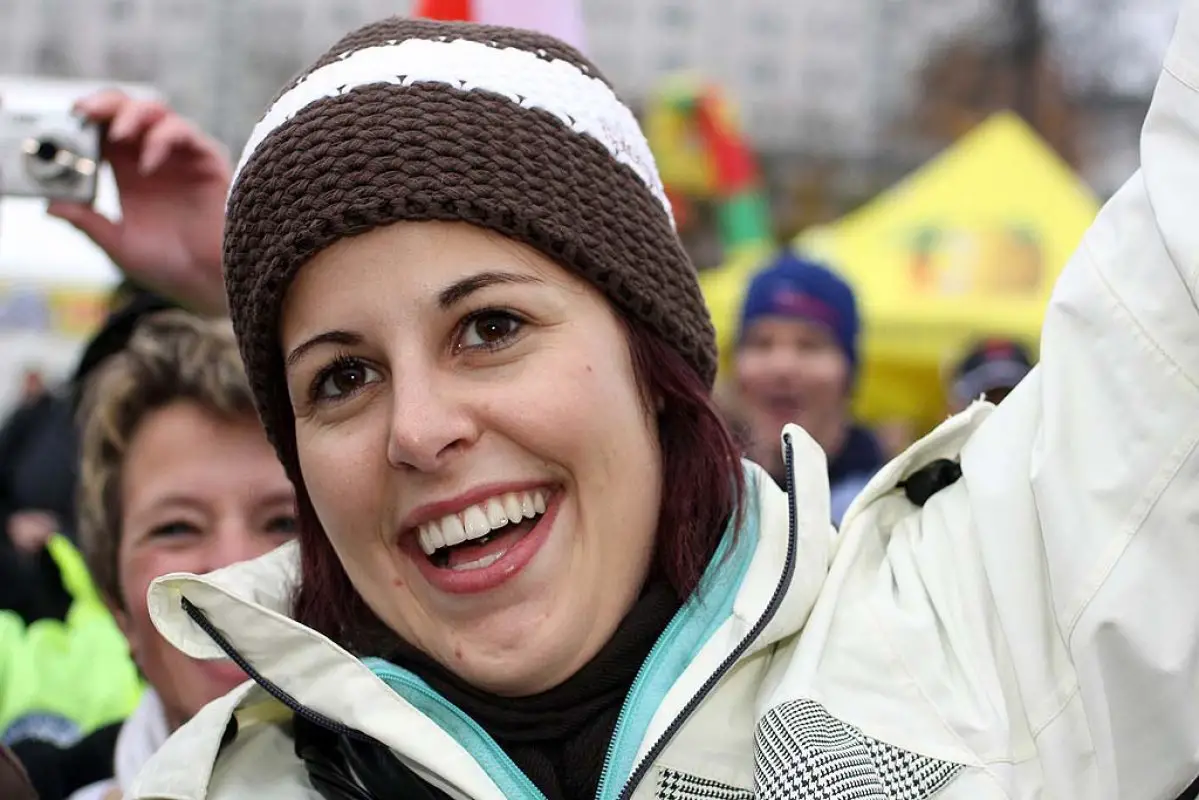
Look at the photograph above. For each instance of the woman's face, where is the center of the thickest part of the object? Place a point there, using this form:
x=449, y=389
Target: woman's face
x=790, y=370
x=198, y=492
x=476, y=446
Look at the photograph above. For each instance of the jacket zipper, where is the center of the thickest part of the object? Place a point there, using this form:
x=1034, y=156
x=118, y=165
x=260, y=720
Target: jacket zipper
x=630, y=702
x=714, y=679
x=659, y=745
x=298, y=708
x=391, y=675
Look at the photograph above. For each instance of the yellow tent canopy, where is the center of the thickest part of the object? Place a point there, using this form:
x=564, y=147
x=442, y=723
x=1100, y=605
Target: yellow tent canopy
x=969, y=245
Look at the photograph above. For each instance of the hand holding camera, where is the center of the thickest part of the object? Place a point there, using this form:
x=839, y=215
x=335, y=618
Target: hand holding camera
x=172, y=181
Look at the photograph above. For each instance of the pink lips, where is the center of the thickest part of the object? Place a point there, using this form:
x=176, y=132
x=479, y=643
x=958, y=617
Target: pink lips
x=494, y=575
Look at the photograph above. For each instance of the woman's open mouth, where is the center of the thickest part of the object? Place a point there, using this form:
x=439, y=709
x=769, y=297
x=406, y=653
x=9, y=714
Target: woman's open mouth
x=784, y=404
x=486, y=544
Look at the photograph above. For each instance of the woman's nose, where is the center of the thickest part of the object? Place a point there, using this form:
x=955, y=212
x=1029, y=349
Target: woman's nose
x=429, y=423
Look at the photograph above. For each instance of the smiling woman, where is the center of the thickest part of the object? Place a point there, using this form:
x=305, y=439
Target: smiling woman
x=175, y=475
x=530, y=563
x=472, y=411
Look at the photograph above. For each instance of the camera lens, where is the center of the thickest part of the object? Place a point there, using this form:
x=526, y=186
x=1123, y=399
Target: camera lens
x=49, y=161
x=46, y=150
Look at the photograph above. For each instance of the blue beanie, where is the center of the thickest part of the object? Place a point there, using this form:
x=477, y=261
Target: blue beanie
x=795, y=288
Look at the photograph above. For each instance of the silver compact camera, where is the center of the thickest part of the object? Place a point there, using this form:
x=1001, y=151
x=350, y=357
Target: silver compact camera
x=54, y=155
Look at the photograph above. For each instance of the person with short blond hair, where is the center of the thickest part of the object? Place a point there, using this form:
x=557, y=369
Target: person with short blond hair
x=175, y=474
x=173, y=357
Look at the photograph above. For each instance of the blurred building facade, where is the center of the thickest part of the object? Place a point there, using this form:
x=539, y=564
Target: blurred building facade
x=823, y=82
x=219, y=61
x=809, y=74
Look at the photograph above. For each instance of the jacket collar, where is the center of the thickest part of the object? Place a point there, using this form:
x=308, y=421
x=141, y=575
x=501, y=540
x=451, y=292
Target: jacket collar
x=141, y=736
x=794, y=521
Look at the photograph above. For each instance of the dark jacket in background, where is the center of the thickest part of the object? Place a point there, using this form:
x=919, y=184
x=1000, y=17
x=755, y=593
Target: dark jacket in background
x=38, y=460
x=38, y=466
x=14, y=783
x=39, y=454
x=58, y=772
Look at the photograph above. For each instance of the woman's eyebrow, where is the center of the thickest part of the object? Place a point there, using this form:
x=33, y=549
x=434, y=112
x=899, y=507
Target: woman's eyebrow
x=343, y=338
x=461, y=289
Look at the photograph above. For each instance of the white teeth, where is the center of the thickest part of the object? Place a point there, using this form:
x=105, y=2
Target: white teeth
x=480, y=520
x=511, y=505
x=485, y=561
x=452, y=530
x=496, y=516
x=431, y=538
x=475, y=521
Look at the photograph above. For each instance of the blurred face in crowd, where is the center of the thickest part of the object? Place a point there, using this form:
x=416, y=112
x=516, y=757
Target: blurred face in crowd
x=198, y=493
x=791, y=370
x=476, y=446
x=33, y=385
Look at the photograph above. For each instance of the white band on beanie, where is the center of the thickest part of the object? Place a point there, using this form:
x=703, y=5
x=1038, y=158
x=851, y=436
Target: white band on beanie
x=582, y=102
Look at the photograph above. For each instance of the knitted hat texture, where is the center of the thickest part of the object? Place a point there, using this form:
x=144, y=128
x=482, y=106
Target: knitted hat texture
x=506, y=129
x=794, y=287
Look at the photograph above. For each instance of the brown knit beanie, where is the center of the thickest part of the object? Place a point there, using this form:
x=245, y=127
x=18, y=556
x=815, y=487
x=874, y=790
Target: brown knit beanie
x=509, y=130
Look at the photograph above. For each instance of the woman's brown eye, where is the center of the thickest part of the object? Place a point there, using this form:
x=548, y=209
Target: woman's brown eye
x=174, y=529
x=489, y=329
x=284, y=523
x=344, y=379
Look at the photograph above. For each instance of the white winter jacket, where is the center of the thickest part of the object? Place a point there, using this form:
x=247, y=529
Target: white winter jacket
x=1031, y=631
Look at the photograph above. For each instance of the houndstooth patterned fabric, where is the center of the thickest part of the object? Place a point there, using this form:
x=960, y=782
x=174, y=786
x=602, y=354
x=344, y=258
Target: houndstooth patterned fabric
x=674, y=785
x=804, y=753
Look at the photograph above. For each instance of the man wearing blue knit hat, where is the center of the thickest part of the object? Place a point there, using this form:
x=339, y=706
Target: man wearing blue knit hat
x=796, y=361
